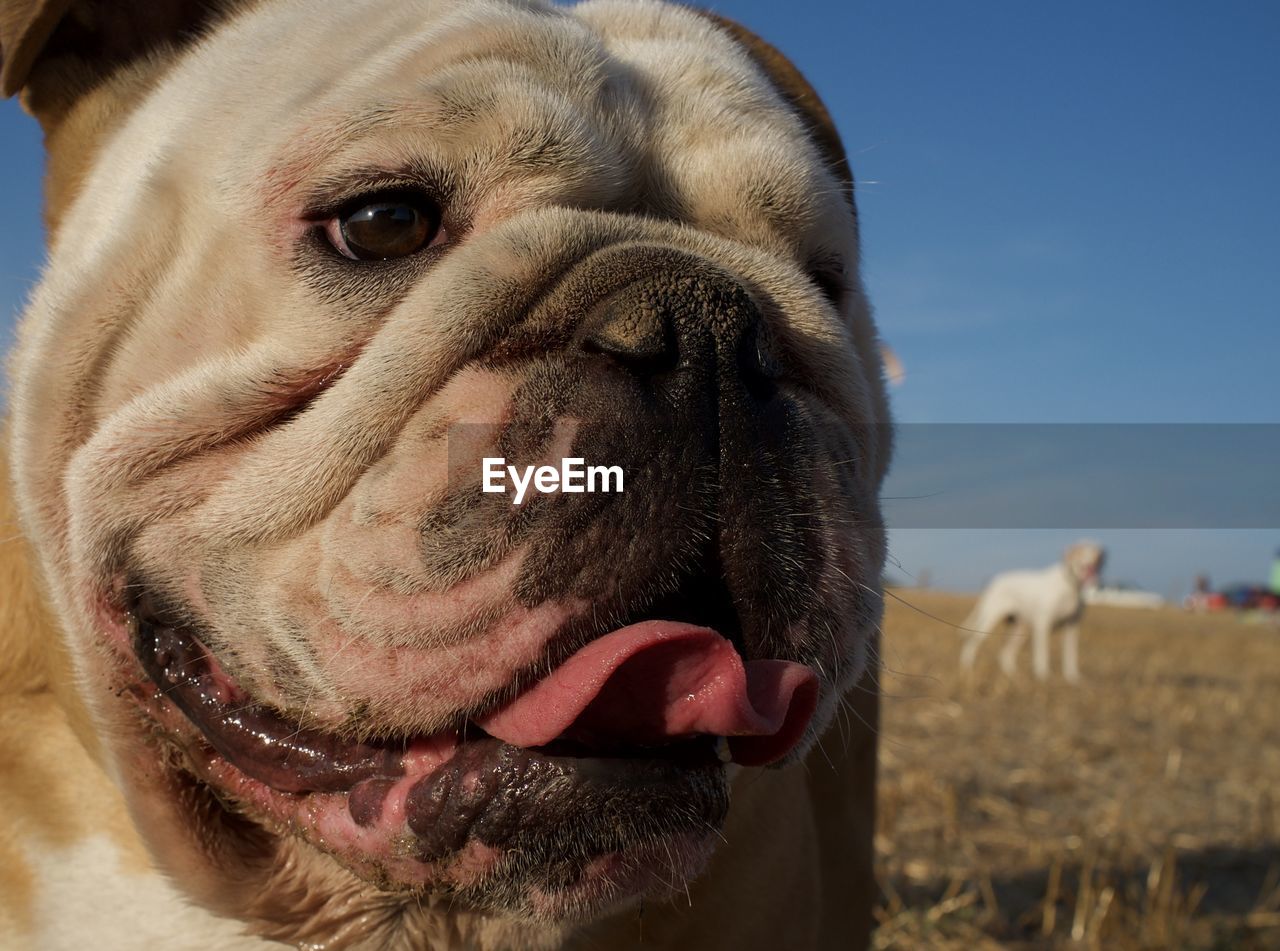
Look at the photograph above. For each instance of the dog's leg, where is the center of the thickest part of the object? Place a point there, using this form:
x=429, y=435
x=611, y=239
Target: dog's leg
x=1016, y=634
x=969, y=656
x=1040, y=648
x=1071, y=653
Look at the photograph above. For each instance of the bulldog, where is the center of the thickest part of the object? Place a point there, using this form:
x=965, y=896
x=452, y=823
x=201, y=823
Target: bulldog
x=277, y=671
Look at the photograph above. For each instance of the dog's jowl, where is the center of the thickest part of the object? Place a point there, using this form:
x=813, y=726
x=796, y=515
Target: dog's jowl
x=297, y=677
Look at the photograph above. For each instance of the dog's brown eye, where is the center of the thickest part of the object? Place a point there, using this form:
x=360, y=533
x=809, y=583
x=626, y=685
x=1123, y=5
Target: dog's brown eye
x=386, y=228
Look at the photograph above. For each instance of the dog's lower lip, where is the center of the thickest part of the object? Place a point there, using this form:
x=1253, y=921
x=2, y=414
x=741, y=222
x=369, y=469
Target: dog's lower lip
x=291, y=758
x=257, y=740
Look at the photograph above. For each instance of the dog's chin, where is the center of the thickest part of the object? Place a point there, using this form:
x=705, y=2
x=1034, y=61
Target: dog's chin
x=557, y=832
x=568, y=889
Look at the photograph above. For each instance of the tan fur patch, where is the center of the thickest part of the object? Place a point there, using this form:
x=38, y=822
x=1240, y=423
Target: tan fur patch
x=53, y=791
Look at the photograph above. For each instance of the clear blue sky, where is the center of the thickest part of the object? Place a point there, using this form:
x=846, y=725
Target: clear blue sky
x=1070, y=214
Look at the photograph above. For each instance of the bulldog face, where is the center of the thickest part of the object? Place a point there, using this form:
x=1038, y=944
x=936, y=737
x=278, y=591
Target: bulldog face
x=337, y=256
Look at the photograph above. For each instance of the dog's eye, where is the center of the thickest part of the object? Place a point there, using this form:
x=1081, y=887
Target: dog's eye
x=383, y=227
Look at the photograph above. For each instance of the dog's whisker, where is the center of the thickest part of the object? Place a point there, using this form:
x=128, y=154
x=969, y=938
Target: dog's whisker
x=933, y=617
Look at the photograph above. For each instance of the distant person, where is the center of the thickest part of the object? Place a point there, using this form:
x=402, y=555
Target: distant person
x=1200, y=596
x=1038, y=602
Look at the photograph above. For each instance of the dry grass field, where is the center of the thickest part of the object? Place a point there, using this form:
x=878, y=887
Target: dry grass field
x=1139, y=810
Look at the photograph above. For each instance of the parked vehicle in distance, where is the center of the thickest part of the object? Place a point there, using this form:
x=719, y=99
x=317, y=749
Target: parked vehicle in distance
x=1250, y=597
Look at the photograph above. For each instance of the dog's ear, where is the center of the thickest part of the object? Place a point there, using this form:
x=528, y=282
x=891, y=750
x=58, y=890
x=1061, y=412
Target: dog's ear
x=25, y=26
x=894, y=371
x=797, y=91
x=55, y=51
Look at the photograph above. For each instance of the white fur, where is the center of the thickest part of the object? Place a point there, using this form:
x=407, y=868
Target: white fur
x=85, y=896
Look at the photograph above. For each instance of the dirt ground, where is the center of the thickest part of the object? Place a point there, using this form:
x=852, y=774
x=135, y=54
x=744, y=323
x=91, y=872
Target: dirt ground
x=1138, y=810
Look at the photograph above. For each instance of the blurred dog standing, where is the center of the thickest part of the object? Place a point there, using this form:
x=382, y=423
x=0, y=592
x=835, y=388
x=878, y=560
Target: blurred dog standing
x=1039, y=601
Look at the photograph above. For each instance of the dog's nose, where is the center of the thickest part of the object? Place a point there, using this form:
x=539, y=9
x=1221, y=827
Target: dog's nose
x=689, y=316
x=630, y=329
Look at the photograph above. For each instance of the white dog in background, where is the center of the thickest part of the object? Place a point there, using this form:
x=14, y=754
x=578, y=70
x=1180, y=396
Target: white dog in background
x=1039, y=601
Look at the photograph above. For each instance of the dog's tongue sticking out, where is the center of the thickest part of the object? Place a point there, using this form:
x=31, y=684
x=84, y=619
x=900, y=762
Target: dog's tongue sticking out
x=660, y=680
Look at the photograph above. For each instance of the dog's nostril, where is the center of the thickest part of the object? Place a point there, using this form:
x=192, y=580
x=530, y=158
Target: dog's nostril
x=632, y=329
x=762, y=353
x=758, y=360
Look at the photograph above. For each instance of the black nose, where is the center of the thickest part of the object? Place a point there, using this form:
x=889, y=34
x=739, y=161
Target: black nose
x=685, y=314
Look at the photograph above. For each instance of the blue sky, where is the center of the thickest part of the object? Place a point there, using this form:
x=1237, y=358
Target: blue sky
x=1070, y=214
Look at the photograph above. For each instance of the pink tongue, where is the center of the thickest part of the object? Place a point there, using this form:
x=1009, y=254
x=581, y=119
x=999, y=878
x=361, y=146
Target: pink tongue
x=658, y=680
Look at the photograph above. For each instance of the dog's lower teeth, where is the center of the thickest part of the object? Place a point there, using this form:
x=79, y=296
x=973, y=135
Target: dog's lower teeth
x=722, y=750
